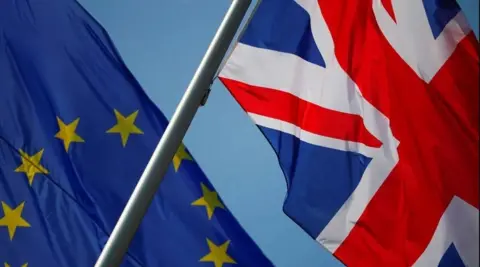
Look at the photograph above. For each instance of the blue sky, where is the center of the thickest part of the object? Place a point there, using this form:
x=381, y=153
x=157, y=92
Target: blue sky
x=162, y=42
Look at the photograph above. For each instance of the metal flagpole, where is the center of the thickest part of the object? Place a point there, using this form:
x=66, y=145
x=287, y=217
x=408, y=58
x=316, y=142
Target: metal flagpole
x=131, y=217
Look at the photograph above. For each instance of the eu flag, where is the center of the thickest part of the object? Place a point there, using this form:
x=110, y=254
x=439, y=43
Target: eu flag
x=76, y=132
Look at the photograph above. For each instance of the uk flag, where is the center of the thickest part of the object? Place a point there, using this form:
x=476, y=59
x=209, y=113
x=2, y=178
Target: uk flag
x=372, y=109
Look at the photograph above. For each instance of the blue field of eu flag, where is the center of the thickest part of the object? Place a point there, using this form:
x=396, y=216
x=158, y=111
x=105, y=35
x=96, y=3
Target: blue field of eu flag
x=76, y=132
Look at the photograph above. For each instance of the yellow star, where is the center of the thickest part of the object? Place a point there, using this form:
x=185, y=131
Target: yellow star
x=180, y=155
x=67, y=133
x=125, y=126
x=13, y=218
x=24, y=265
x=209, y=200
x=31, y=165
x=218, y=254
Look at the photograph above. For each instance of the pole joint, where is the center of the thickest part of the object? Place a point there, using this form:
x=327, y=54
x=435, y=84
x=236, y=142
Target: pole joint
x=205, y=96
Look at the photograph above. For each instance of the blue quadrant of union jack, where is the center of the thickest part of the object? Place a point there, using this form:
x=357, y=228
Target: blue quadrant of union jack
x=372, y=110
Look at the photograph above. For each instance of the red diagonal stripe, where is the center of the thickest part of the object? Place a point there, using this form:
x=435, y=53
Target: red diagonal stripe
x=308, y=116
x=387, y=4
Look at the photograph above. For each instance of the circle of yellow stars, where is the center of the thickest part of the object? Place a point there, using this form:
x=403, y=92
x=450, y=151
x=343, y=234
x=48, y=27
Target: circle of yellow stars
x=125, y=127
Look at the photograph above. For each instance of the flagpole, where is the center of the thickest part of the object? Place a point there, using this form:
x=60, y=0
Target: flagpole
x=136, y=207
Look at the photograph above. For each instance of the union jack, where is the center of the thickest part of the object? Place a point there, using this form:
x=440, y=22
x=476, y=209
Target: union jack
x=372, y=109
